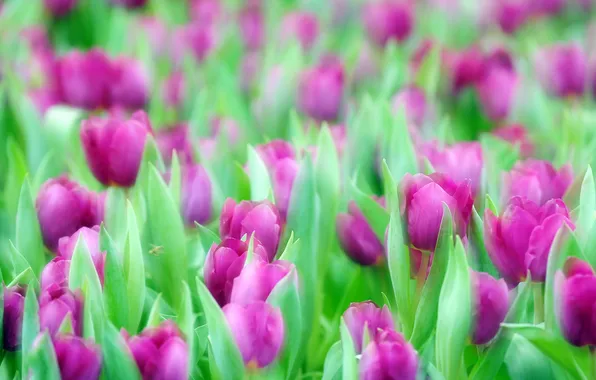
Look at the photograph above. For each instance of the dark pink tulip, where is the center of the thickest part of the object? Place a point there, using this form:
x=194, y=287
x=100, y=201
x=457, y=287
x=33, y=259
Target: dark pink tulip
x=14, y=300
x=252, y=26
x=55, y=303
x=388, y=356
x=246, y=217
x=547, y=7
x=114, y=147
x=59, y=8
x=388, y=20
x=258, y=279
x=562, y=69
x=510, y=14
x=303, y=26
x=497, y=91
x=174, y=89
x=196, y=195
x=282, y=178
x=423, y=206
x=63, y=206
x=517, y=135
x=160, y=352
x=89, y=236
x=55, y=272
x=357, y=238
x=520, y=239
x=413, y=100
x=258, y=329
x=537, y=181
x=130, y=3
x=275, y=151
x=466, y=67
x=320, y=90
x=84, y=79
x=224, y=263
x=491, y=303
x=176, y=138
x=130, y=84
x=196, y=38
x=361, y=314
x=77, y=358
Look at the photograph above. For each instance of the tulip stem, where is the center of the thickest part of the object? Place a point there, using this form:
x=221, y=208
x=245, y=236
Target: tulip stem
x=421, y=275
x=538, y=303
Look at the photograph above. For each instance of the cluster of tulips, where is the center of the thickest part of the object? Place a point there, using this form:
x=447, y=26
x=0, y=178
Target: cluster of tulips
x=342, y=189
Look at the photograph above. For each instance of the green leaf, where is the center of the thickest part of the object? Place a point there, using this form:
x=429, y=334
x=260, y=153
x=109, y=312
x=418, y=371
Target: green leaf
x=22, y=278
x=333, y=363
x=154, y=318
x=349, y=364
x=66, y=325
x=375, y=214
x=428, y=75
x=484, y=262
x=175, y=184
x=186, y=322
x=117, y=359
x=42, y=360
x=587, y=207
x=225, y=352
x=398, y=149
x=490, y=205
x=115, y=215
x=30, y=328
x=260, y=183
x=16, y=174
x=28, y=233
x=134, y=272
x=19, y=262
x=454, y=314
x=115, y=299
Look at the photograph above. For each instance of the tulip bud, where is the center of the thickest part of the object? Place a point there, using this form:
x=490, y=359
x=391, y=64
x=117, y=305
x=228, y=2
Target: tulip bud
x=14, y=300
x=252, y=26
x=389, y=356
x=423, y=207
x=130, y=84
x=114, y=148
x=303, y=26
x=562, y=69
x=357, y=238
x=258, y=279
x=282, y=178
x=55, y=272
x=131, y=4
x=517, y=135
x=320, y=90
x=413, y=101
x=388, y=20
x=510, y=14
x=77, y=358
x=496, y=91
x=361, y=314
x=520, y=239
x=466, y=68
x=174, y=89
x=55, y=303
x=537, y=181
x=258, y=329
x=196, y=195
x=176, y=139
x=491, y=299
x=63, y=207
x=161, y=352
x=90, y=237
x=59, y=8
x=247, y=217
x=224, y=263
x=275, y=151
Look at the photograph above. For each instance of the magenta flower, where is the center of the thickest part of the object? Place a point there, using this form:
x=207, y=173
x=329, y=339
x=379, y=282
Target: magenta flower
x=497, y=91
x=63, y=206
x=206, y=11
x=174, y=89
x=562, y=69
x=55, y=303
x=388, y=20
x=491, y=300
x=547, y=7
x=275, y=151
x=224, y=263
x=198, y=39
x=282, y=178
x=537, y=181
x=196, y=195
x=413, y=101
x=252, y=26
x=258, y=329
x=77, y=358
x=114, y=147
x=520, y=239
x=303, y=26
x=422, y=206
x=59, y=8
x=466, y=67
x=258, y=279
x=517, y=135
x=361, y=314
x=130, y=3
x=320, y=90
x=160, y=352
x=90, y=237
x=130, y=84
x=176, y=138
x=246, y=217
x=55, y=272
x=511, y=14
x=388, y=356
x=357, y=238
x=14, y=300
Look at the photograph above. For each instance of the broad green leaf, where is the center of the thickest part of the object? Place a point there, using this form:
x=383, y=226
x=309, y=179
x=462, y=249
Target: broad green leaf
x=484, y=262
x=22, y=278
x=115, y=299
x=28, y=233
x=17, y=172
x=30, y=328
x=260, y=183
x=134, y=272
x=333, y=363
x=587, y=207
x=115, y=215
x=186, y=322
x=42, y=359
x=175, y=183
x=154, y=318
x=117, y=360
x=428, y=75
x=19, y=262
x=398, y=149
x=349, y=364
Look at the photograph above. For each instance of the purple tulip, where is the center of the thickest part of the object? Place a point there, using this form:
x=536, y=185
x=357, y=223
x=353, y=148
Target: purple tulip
x=77, y=358
x=520, y=239
x=55, y=272
x=252, y=26
x=176, y=138
x=562, y=69
x=257, y=280
x=275, y=151
x=320, y=90
x=247, y=217
x=55, y=303
x=160, y=352
x=63, y=207
x=224, y=263
x=413, y=101
x=90, y=236
x=491, y=300
x=423, y=207
x=366, y=313
x=517, y=135
x=547, y=7
x=206, y=11
x=496, y=91
x=537, y=181
x=357, y=238
x=388, y=20
x=196, y=195
x=388, y=356
x=258, y=329
x=466, y=67
x=174, y=89
x=199, y=39
x=114, y=147
x=130, y=85
x=84, y=79
x=131, y=4
x=462, y=161
x=14, y=300
x=59, y=8
x=510, y=14
x=282, y=177
x=303, y=26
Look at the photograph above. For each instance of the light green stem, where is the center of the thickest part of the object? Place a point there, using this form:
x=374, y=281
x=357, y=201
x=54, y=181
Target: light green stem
x=538, y=303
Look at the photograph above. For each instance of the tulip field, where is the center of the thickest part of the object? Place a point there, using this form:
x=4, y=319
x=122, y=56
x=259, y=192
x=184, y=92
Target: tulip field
x=298, y=189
